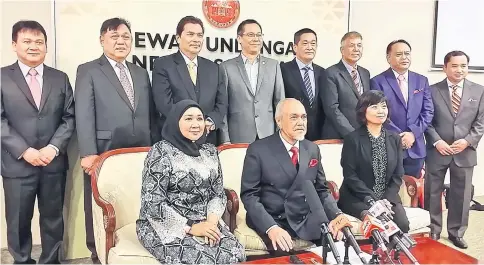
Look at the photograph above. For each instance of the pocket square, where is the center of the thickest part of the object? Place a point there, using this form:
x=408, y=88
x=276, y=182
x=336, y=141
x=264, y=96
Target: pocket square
x=472, y=100
x=418, y=91
x=313, y=162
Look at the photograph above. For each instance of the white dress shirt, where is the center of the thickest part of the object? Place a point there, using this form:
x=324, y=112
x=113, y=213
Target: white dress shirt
x=118, y=71
x=252, y=70
x=460, y=88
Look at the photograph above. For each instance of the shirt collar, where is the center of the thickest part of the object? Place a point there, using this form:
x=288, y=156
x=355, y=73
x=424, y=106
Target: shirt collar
x=301, y=65
x=113, y=62
x=25, y=69
x=288, y=145
x=188, y=61
x=460, y=84
x=397, y=75
x=245, y=59
x=348, y=66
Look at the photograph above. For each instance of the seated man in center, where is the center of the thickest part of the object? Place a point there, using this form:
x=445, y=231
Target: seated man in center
x=274, y=169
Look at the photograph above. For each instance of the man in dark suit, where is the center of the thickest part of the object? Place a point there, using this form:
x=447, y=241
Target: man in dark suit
x=276, y=169
x=410, y=103
x=346, y=81
x=37, y=123
x=185, y=75
x=114, y=106
x=452, y=139
x=304, y=80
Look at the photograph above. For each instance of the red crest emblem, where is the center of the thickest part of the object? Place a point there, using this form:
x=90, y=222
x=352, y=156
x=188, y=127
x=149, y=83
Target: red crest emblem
x=221, y=13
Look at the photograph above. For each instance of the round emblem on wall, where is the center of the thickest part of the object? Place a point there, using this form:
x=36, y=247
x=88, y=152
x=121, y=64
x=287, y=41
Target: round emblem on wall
x=221, y=13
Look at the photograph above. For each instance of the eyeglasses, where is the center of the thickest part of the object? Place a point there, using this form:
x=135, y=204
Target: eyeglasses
x=253, y=35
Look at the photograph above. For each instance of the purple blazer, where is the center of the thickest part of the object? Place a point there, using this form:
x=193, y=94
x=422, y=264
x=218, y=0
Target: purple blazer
x=415, y=117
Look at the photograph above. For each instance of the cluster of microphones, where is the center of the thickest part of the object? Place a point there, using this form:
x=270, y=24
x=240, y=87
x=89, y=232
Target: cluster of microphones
x=377, y=225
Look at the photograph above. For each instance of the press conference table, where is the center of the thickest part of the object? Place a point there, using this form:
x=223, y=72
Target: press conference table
x=427, y=251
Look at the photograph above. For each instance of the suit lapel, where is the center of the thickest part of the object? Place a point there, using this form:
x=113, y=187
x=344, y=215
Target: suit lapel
x=202, y=78
x=243, y=73
x=365, y=145
x=343, y=72
x=108, y=71
x=412, y=86
x=261, y=73
x=46, y=87
x=19, y=79
x=364, y=80
x=466, y=95
x=317, y=73
x=282, y=156
x=136, y=81
x=298, y=78
x=392, y=81
x=303, y=166
x=185, y=76
x=444, y=92
x=390, y=151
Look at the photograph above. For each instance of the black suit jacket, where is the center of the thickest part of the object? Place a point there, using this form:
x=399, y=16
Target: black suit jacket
x=271, y=191
x=24, y=126
x=356, y=160
x=340, y=97
x=295, y=88
x=105, y=118
x=172, y=83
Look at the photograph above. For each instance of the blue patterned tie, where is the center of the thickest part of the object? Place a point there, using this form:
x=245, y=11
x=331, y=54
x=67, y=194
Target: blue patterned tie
x=307, y=84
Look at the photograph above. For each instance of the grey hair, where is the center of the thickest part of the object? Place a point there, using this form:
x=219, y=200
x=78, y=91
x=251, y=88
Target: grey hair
x=280, y=105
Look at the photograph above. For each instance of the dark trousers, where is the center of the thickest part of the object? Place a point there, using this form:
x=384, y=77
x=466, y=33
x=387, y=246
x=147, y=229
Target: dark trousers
x=90, y=243
x=459, y=198
x=20, y=194
x=413, y=167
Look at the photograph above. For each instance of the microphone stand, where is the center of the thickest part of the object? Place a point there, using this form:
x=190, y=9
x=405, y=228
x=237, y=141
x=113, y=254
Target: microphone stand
x=374, y=255
x=346, y=259
x=324, y=245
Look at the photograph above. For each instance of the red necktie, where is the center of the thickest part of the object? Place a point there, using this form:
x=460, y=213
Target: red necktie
x=295, y=153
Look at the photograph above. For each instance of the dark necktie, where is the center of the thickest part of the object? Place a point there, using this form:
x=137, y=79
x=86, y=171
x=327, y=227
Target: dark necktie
x=307, y=84
x=295, y=155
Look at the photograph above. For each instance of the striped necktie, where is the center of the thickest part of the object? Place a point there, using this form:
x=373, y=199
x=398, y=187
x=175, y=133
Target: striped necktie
x=356, y=80
x=455, y=99
x=307, y=84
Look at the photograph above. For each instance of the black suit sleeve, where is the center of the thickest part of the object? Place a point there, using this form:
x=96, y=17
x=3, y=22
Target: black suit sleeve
x=250, y=191
x=321, y=186
x=349, y=158
x=11, y=140
x=162, y=93
x=85, y=113
x=393, y=186
x=220, y=110
x=155, y=130
x=66, y=128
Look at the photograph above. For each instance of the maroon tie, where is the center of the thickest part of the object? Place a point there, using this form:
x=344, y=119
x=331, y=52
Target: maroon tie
x=295, y=153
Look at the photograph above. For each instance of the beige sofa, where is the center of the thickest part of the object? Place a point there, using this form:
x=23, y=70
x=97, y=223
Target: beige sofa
x=116, y=185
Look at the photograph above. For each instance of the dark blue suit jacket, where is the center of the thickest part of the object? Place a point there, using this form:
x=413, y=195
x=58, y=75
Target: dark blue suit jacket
x=414, y=117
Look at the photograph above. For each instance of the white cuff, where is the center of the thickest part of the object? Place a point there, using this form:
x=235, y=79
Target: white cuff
x=267, y=232
x=55, y=148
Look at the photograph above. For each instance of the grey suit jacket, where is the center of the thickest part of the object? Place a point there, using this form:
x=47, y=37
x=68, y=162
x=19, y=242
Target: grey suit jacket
x=468, y=124
x=24, y=125
x=339, y=100
x=250, y=115
x=106, y=120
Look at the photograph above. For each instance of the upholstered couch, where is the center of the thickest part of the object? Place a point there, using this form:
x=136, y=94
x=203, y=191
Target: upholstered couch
x=232, y=157
x=116, y=186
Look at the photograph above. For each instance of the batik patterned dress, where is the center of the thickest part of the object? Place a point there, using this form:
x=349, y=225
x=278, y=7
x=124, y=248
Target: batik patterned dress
x=176, y=188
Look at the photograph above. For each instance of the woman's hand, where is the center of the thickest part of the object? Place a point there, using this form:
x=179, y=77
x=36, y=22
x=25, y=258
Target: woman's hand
x=208, y=230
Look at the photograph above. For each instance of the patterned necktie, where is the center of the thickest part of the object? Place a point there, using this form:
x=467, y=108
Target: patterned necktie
x=403, y=86
x=35, y=87
x=455, y=99
x=356, y=80
x=308, y=85
x=123, y=78
x=191, y=71
x=295, y=154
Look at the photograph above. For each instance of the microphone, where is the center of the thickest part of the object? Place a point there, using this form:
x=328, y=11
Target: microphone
x=352, y=240
x=377, y=209
x=372, y=227
x=317, y=209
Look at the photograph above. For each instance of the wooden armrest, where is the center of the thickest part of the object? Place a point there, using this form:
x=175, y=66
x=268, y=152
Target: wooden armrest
x=413, y=189
x=333, y=187
x=232, y=209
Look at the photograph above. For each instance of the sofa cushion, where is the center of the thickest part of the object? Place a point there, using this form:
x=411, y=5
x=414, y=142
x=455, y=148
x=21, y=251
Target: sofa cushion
x=128, y=249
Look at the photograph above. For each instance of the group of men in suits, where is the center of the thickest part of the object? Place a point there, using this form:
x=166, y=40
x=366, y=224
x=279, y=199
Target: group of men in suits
x=117, y=107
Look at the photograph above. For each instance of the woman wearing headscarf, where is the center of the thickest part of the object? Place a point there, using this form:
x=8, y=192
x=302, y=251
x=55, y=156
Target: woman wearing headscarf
x=182, y=196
